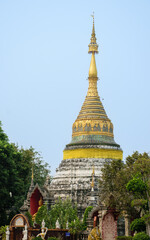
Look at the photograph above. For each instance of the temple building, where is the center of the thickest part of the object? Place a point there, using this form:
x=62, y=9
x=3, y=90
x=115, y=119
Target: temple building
x=91, y=146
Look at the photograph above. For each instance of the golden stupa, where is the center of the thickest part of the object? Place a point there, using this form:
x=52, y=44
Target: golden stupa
x=92, y=132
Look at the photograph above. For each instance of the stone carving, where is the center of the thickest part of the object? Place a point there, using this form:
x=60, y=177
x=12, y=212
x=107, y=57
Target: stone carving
x=25, y=233
x=109, y=227
x=57, y=224
x=43, y=230
x=43, y=224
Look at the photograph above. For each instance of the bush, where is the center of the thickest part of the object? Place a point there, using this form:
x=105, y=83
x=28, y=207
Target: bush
x=138, y=225
x=41, y=215
x=53, y=238
x=29, y=216
x=3, y=232
x=87, y=210
x=37, y=238
x=141, y=236
x=124, y=238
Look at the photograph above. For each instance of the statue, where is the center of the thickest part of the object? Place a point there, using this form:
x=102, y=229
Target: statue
x=43, y=224
x=7, y=233
x=57, y=224
x=67, y=225
x=43, y=230
x=40, y=203
x=95, y=234
x=25, y=233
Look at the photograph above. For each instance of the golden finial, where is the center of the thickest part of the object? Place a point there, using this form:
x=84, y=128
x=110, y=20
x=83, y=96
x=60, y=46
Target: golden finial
x=93, y=46
x=32, y=173
x=93, y=30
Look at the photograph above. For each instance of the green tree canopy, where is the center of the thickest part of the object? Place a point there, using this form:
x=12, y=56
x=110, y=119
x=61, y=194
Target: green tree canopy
x=15, y=171
x=117, y=174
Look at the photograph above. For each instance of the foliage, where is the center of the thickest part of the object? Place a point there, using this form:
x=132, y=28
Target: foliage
x=115, y=177
x=124, y=238
x=75, y=226
x=138, y=225
x=53, y=238
x=3, y=232
x=63, y=211
x=87, y=210
x=41, y=215
x=146, y=218
x=141, y=236
x=37, y=238
x=137, y=185
x=15, y=172
x=139, y=203
x=29, y=216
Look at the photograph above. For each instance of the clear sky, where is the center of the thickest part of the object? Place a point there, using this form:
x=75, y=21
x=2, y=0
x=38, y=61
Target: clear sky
x=44, y=65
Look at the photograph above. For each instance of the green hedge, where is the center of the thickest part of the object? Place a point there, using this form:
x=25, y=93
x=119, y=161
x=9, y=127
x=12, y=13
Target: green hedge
x=141, y=236
x=124, y=238
x=53, y=238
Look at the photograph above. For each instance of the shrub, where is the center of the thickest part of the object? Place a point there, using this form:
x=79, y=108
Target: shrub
x=37, y=238
x=141, y=236
x=41, y=215
x=87, y=210
x=53, y=238
x=3, y=232
x=138, y=225
x=124, y=238
x=29, y=216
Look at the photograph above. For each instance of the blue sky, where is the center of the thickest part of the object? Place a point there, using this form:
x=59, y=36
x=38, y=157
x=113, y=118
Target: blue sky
x=44, y=65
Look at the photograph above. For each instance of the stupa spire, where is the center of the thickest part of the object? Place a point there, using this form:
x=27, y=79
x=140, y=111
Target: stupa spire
x=93, y=48
x=92, y=125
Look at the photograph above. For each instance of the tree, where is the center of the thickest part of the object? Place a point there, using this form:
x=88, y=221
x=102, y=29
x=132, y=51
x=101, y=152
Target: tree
x=135, y=174
x=115, y=176
x=15, y=171
x=139, y=185
x=113, y=192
